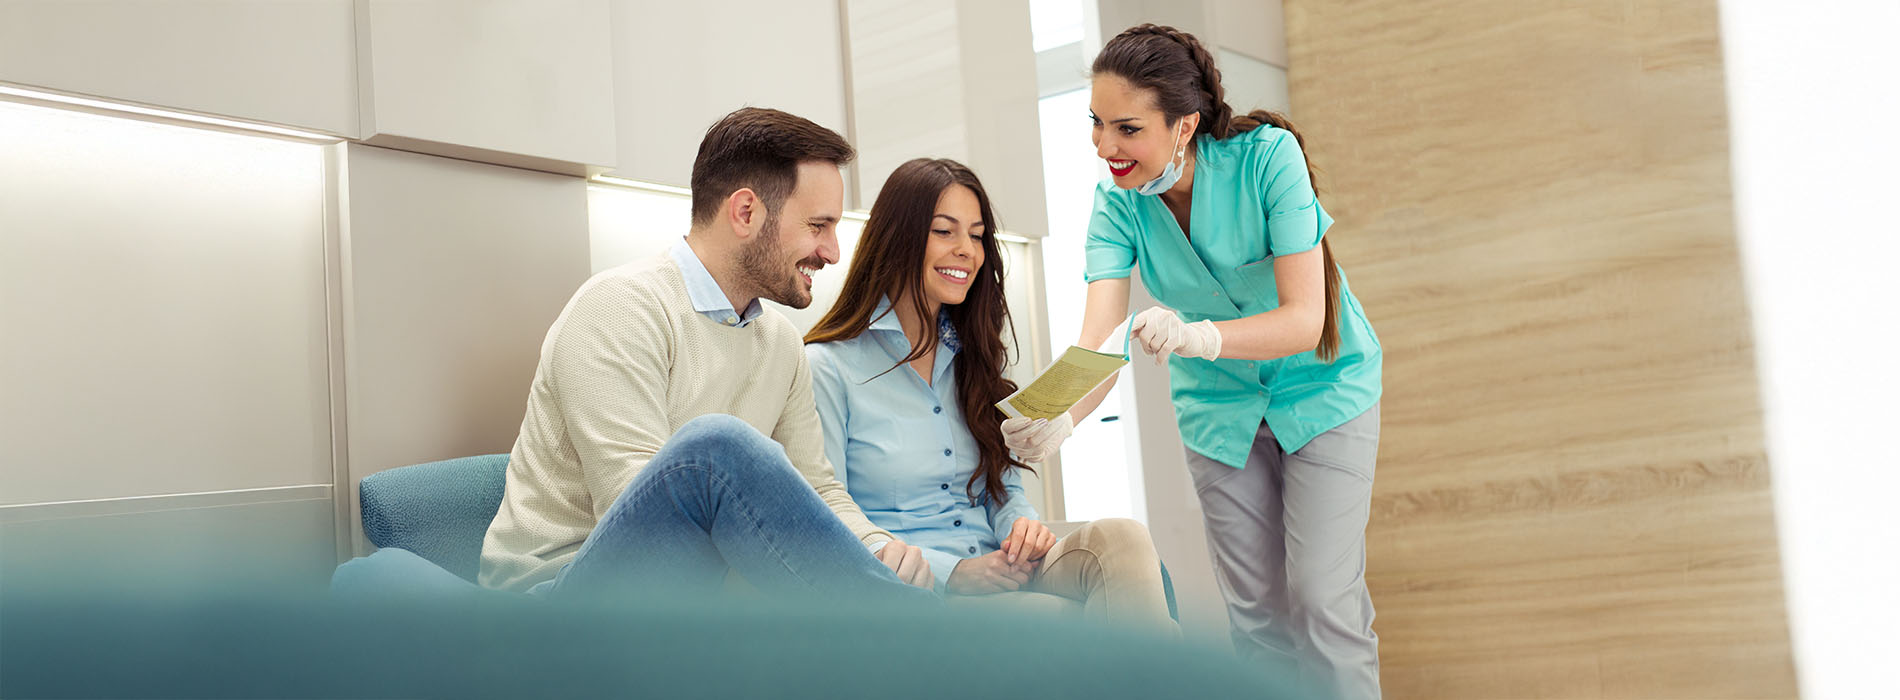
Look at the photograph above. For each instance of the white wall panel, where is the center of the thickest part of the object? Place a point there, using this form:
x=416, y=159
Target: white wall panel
x=1253, y=27
x=453, y=272
x=518, y=82
x=290, y=62
x=999, y=111
x=1252, y=83
x=949, y=80
x=680, y=66
x=161, y=309
x=907, y=87
x=1112, y=16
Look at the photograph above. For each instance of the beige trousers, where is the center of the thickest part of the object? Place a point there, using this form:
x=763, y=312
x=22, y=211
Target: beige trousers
x=1108, y=569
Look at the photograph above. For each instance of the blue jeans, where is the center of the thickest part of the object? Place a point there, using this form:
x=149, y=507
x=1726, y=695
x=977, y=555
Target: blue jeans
x=721, y=495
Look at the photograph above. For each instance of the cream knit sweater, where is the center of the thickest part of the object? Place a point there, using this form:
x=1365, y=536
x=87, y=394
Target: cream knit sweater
x=625, y=365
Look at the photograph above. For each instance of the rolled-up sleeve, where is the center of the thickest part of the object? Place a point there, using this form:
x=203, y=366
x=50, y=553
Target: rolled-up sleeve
x=1295, y=219
x=1110, y=250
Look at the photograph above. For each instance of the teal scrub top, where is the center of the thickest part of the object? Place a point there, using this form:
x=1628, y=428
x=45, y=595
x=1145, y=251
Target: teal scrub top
x=1252, y=200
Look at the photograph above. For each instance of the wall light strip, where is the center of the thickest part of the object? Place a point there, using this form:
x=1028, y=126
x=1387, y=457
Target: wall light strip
x=852, y=214
x=639, y=185
x=857, y=215
x=172, y=115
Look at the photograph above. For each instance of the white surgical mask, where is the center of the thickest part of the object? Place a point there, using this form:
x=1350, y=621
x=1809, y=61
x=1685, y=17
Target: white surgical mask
x=1169, y=175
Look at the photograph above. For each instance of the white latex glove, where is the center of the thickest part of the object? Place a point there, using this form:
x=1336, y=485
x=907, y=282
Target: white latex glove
x=1036, y=440
x=1161, y=331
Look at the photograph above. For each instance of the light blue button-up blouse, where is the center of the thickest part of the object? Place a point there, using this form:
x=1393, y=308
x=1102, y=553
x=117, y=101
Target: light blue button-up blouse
x=901, y=448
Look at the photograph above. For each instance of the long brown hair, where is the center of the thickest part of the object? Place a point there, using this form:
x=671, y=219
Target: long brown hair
x=890, y=261
x=1180, y=73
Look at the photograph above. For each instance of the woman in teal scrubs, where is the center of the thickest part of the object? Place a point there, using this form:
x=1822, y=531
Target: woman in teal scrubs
x=1275, y=371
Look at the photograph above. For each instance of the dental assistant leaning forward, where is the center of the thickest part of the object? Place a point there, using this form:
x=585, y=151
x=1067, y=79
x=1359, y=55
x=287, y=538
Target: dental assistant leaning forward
x=1275, y=371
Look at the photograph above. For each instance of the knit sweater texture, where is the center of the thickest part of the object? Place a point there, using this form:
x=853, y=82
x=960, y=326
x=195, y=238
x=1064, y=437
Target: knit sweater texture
x=626, y=363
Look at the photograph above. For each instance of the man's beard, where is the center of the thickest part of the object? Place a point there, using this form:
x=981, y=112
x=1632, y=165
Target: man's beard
x=760, y=265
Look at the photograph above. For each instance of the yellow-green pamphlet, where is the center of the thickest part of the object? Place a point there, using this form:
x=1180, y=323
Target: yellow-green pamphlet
x=1076, y=373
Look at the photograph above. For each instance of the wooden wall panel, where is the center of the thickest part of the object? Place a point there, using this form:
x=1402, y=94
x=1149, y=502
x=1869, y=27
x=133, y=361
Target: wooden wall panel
x=1533, y=204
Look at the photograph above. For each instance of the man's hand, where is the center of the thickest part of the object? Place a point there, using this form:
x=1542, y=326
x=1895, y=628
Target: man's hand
x=1028, y=541
x=989, y=573
x=908, y=562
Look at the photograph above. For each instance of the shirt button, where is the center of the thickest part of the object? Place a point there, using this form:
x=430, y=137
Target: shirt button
x=958, y=523
x=945, y=487
x=946, y=451
x=938, y=409
x=972, y=550
x=731, y=321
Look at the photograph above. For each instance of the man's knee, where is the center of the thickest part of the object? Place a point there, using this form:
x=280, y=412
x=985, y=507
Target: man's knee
x=720, y=435
x=714, y=426
x=725, y=443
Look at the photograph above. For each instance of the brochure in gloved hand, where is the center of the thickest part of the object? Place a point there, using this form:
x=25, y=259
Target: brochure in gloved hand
x=1076, y=373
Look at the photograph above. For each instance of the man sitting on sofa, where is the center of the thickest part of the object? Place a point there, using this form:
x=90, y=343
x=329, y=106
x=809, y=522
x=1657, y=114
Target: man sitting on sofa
x=670, y=432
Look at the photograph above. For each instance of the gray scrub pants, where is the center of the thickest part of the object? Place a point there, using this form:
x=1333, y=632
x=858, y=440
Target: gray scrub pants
x=1288, y=538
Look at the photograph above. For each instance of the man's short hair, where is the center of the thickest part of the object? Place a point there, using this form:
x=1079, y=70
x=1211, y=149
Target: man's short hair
x=759, y=149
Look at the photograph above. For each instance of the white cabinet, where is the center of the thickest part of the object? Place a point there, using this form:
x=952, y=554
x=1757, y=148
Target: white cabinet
x=515, y=82
x=680, y=66
x=290, y=62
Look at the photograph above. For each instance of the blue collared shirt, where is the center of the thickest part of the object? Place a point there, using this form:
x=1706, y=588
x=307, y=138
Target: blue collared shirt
x=901, y=448
x=708, y=299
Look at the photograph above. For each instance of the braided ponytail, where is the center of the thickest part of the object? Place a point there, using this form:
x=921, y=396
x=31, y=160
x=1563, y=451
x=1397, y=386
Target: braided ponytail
x=1216, y=116
x=1180, y=72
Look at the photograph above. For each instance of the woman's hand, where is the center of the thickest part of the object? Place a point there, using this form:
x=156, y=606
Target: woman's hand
x=1161, y=331
x=1028, y=541
x=907, y=561
x=1036, y=440
x=986, y=574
